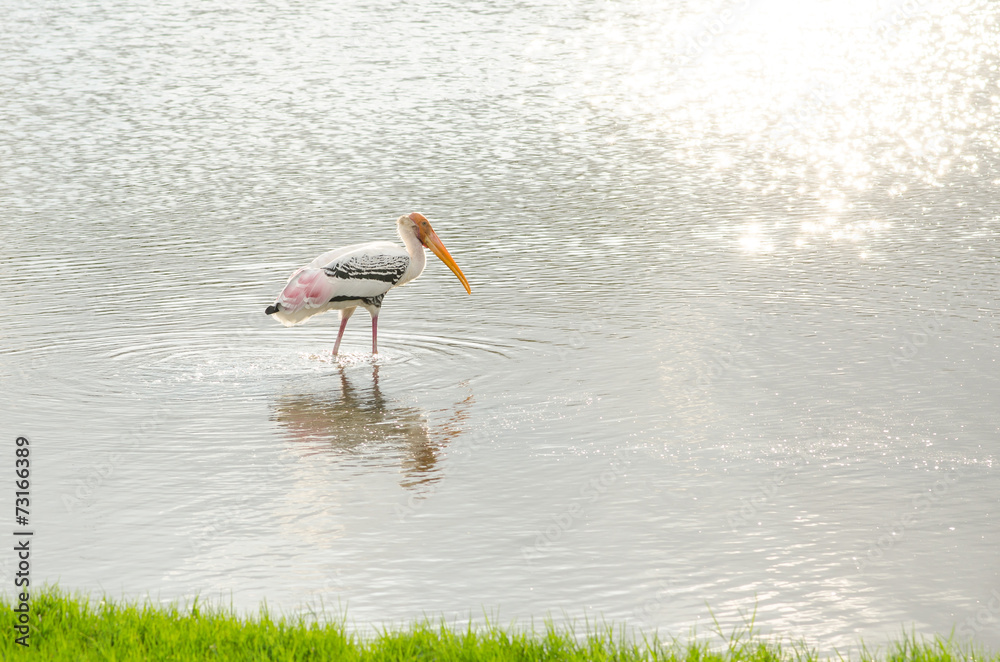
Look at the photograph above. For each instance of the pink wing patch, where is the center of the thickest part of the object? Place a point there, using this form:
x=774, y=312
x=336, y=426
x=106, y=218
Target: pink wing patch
x=307, y=288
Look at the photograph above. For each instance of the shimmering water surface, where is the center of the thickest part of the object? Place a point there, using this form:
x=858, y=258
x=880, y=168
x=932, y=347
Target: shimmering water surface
x=732, y=340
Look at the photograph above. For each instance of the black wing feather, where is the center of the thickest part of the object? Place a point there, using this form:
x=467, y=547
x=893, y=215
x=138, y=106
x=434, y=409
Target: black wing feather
x=387, y=268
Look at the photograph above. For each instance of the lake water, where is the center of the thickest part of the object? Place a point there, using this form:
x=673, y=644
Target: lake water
x=732, y=340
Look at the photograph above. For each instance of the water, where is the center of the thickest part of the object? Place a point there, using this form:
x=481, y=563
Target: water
x=732, y=339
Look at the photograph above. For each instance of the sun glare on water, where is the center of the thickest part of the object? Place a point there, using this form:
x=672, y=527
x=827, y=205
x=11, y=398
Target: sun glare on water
x=821, y=101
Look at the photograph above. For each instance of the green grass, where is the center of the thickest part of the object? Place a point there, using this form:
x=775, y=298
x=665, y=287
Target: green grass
x=67, y=627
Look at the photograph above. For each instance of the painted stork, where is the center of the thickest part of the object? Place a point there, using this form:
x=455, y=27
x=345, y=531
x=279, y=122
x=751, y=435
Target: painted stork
x=360, y=275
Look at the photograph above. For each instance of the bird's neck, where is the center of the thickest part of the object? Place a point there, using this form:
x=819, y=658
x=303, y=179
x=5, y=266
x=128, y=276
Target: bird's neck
x=417, y=257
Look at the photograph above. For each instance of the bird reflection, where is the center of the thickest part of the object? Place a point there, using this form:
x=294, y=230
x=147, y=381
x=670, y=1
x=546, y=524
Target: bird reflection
x=367, y=428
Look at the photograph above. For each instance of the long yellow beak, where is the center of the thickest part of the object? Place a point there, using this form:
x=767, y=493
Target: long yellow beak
x=433, y=242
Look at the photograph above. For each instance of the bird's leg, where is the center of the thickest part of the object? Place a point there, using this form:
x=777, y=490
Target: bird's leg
x=343, y=325
x=373, y=306
x=345, y=314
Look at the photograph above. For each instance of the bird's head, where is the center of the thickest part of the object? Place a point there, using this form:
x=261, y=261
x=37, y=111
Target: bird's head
x=418, y=225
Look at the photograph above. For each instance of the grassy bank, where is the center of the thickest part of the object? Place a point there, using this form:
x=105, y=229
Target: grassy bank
x=64, y=627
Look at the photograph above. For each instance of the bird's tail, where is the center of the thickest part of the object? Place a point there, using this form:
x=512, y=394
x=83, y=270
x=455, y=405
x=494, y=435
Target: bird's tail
x=307, y=293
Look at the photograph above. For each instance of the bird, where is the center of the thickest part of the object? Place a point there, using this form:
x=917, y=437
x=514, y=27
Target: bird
x=360, y=275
